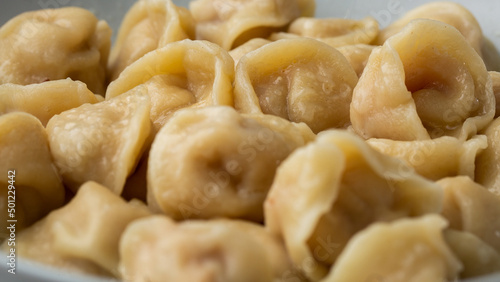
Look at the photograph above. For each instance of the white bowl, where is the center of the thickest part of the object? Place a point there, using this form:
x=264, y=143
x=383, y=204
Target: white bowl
x=113, y=10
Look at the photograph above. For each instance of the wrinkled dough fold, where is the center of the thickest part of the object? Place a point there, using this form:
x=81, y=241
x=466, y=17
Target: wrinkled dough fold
x=230, y=23
x=46, y=99
x=182, y=74
x=329, y=190
x=302, y=80
x=55, y=44
x=147, y=26
x=425, y=82
x=101, y=142
x=82, y=236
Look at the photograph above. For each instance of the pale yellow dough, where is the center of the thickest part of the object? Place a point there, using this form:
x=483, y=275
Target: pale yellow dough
x=158, y=249
x=302, y=80
x=55, y=44
x=83, y=236
x=334, y=32
x=488, y=162
x=147, y=26
x=180, y=75
x=331, y=189
x=230, y=23
x=38, y=189
x=101, y=142
x=436, y=158
x=215, y=162
x=424, y=82
x=470, y=207
x=411, y=250
x=46, y=99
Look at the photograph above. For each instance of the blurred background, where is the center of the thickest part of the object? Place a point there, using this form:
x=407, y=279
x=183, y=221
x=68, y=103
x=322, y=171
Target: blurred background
x=385, y=11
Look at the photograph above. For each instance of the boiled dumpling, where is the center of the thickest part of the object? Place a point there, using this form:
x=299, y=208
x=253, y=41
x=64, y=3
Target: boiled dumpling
x=101, y=142
x=410, y=250
x=82, y=236
x=247, y=47
x=46, y=99
x=182, y=74
x=35, y=185
x=302, y=80
x=435, y=158
x=326, y=192
x=334, y=32
x=157, y=249
x=230, y=23
x=215, y=162
x=55, y=44
x=148, y=25
x=425, y=82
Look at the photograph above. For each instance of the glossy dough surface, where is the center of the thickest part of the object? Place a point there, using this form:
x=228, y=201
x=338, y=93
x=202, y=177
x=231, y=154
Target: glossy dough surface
x=215, y=162
x=55, y=44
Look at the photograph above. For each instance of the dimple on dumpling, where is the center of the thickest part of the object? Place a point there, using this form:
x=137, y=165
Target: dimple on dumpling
x=36, y=187
x=148, y=25
x=214, y=162
x=46, y=99
x=101, y=142
x=335, y=32
x=410, y=250
x=55, y=44
x=157, y=249
x=230, y=23
x=435, y=158
x=83, y=236
x=302, y=80
x=181, y=74
x=424, y=82
x=329, y=190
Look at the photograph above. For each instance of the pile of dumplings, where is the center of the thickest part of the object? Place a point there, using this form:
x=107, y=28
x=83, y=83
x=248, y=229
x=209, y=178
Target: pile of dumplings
x=249, y=141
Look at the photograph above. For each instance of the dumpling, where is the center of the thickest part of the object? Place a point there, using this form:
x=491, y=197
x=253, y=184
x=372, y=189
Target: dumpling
x=329, y=190
x=101, y=142
x=148, y=25
x=469, y=207
x=425, y=82
x=302, y=80
x=334, y=32
x=214, y=162
x=230, y=23
x=46, y=99
x=34, y=184
x=83, y=236
x=488, y=162
x=55, y=44
x=435, y=158
x=477, y=257
x=157, y=249
x=357, y=55
x=411, y=250
x=447, y=12
x=182, y=74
